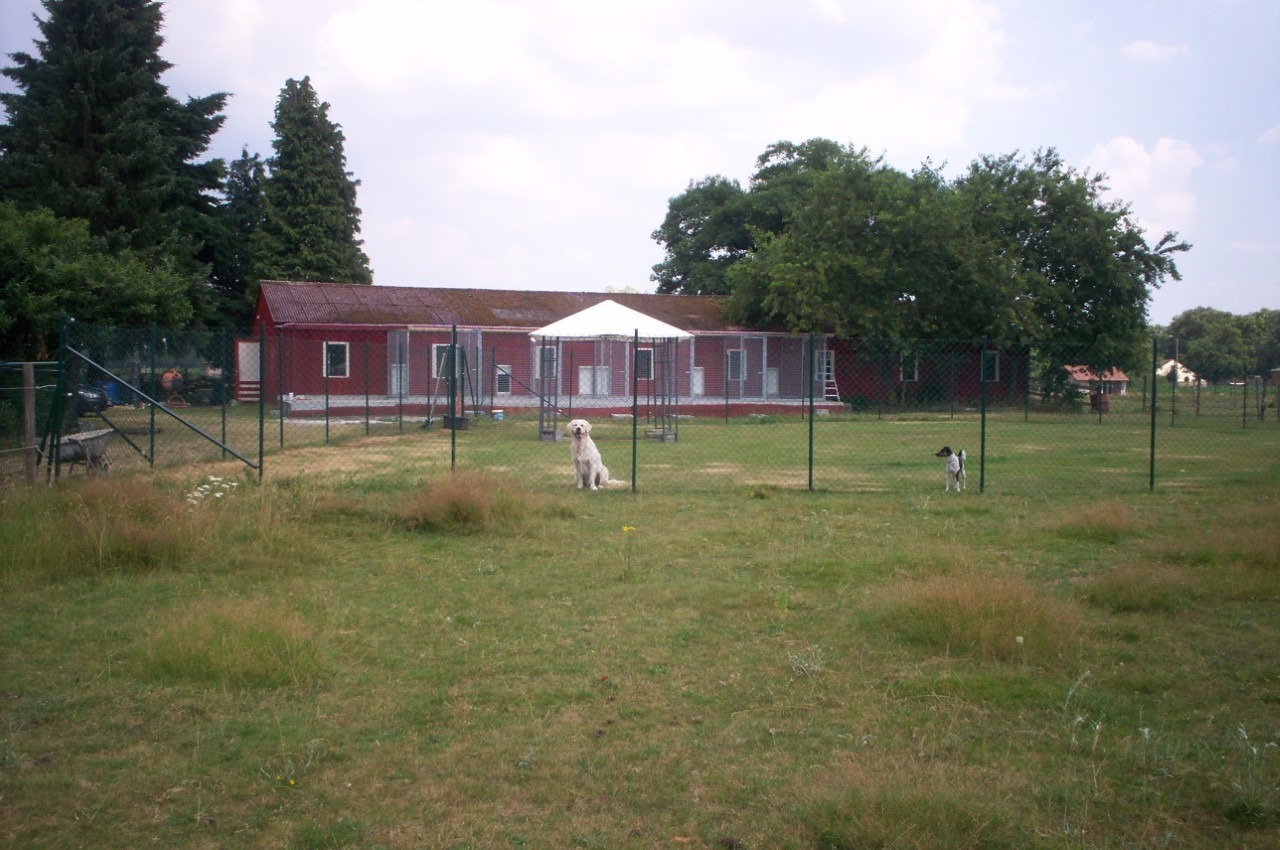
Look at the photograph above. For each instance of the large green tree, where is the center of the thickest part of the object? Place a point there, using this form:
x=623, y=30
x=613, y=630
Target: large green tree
x=1076, y=268
x=705, y=232
x=54, y=266
x=714, y=223
x=832, y=239
x=829, y=268
x=310, y=218
x=93, y=134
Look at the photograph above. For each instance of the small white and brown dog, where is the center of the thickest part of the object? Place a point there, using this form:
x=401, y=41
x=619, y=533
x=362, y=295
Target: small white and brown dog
x=955, y=467
x=588, y=468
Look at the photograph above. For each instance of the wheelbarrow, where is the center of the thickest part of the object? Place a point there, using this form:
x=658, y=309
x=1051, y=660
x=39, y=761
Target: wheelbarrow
x=87, y=447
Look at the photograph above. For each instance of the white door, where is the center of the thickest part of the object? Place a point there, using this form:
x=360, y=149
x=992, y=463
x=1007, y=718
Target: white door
x=771, y=382
x=697, y=380
x=593, y=380
x=397, y=362
x=248, y=370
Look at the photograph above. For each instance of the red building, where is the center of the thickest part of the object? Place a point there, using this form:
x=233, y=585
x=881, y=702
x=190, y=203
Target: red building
x=340, y=346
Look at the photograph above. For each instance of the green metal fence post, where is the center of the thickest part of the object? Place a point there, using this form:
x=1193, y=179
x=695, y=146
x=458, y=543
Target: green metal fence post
x=1155, y=360
x=812, y=357
x=280, y=379
x=451, y=362
x=1026, y=387
x=982, y=459
x=326, y=392
x=151, y=445
x=59, y=409
x=635, y=408
x=225, y=365
x=262, y=395
x=1244, y=405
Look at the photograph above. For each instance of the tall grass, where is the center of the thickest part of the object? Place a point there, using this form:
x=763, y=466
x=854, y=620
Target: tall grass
x=96, y=527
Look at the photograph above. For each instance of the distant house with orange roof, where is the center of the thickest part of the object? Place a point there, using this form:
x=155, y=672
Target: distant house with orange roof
x=1112, y=382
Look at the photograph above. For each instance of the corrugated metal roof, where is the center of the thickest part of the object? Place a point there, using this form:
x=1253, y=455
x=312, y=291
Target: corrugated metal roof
x=293, y=302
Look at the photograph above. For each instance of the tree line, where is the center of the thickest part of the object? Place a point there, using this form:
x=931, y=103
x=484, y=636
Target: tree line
x=1219, y=347
x=109, y=210
x=829, y=238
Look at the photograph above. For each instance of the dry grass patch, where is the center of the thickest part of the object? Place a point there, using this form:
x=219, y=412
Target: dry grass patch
x=1245, y=534
x=1001, y=618
x=1141, y=586
x=876, y=799
x=464, y=502
x=233, y=644
x=1103, y=522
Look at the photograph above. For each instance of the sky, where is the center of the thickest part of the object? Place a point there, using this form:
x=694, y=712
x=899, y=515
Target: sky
x=535, y=144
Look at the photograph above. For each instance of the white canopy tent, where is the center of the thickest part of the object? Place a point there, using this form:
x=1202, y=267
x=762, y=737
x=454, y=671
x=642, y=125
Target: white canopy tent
x=613, y=325
x=609, y=320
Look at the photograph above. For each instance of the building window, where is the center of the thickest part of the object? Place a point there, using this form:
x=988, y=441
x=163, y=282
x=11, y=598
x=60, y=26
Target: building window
x=337, y=360
x=502, y=381
x=909, y=369
x=547, y=359
x=644, y=364
x=990, y=365
x=440, y=353
x=735, y=363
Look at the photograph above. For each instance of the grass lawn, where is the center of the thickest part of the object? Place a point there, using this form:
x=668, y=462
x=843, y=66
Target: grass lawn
x=367, y=651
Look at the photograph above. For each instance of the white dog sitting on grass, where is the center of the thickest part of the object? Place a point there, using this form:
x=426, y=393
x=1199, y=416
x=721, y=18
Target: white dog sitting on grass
x=588, y=468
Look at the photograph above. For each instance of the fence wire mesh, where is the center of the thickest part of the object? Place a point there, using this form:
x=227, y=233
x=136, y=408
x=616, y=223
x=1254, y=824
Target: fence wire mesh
x=749, y=411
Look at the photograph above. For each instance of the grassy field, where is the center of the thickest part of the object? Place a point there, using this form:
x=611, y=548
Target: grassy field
x=367, y=651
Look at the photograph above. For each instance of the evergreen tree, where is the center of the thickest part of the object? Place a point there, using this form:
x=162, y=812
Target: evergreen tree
x=240, y=218
x=93, y=133
x=310, y=217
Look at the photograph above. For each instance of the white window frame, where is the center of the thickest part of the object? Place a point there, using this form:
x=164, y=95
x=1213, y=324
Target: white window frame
x=502, y=374
x=645, y=374
x=331, y=346
x=439, y=353
x=740, y=361
x=912, y=375
x=553, y=359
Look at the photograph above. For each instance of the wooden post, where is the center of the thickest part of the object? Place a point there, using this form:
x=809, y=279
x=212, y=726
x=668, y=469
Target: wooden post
x=29, y=419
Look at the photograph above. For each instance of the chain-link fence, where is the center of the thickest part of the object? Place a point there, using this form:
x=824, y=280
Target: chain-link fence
x=716, y=411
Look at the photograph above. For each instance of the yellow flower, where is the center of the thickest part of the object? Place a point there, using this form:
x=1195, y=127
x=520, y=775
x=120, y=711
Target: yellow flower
x=628, y=528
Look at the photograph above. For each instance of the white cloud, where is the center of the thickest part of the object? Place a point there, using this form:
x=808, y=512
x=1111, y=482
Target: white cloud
x=386, y=44
x=1149, y=51
x=1271, y=136
x=1155, y=183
